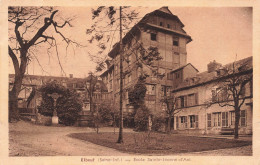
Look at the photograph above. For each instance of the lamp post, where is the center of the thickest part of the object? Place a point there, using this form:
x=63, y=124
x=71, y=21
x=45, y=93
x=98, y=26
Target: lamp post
x=55, y=118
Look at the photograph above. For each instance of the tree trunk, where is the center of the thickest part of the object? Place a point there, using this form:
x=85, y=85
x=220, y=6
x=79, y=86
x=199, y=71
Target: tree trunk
x=13, y=98
x=120, y=136
x=237, y=117
x=169, y=124
x=18, y=79
x=13, y=107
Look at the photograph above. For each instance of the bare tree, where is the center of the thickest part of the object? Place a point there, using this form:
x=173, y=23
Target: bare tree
x=27, y=32
x=170, y=109
x=231, y=82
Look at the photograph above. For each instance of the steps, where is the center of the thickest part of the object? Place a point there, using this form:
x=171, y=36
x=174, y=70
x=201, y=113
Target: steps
x=227, y=131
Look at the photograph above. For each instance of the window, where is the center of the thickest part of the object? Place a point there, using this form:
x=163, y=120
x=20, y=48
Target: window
x=169, y=76
x=161, y=23
x=224, y=119
x=150, y=89
x=165, y=91
x=168, y=26
x=183, y=122
x=214, y=96
x=219, y=94
x=209, y=119
x=182, y=101
x=175, y=41
x=242, y=118
x=191, y=99
x=216, y=119
x=222, y=94
x=232, y=114
x=153, y=36
x=243, y=91
x=194, y=121
x=177, y=75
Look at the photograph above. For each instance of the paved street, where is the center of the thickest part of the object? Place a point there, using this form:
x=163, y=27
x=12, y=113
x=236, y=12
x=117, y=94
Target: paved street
x=27, y=139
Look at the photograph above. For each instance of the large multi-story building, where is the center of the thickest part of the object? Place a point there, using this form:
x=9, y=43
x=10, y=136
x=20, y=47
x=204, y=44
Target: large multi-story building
x=182, y=80
x=160, y=29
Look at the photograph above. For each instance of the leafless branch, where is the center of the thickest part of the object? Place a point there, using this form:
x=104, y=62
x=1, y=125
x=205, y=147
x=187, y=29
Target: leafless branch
x=58, y=57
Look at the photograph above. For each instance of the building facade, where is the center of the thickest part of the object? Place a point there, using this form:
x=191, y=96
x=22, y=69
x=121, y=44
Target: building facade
x=30, y=98
x=200, y=103
x=160, y=29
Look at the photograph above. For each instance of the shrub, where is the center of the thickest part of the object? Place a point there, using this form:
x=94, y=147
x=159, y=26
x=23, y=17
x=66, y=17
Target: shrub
x=158, y=123
x=137, y=94
x=141, y=118
x=68, y=104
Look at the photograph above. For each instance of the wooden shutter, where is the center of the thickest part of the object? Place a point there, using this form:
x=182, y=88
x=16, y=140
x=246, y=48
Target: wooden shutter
x=186, y=123
x=185, y=101
x=196, y=121
x=196, y=99
x=243, y=117
x=177, y=122
x=209, y=119
x=177, y=102
x=223, y=119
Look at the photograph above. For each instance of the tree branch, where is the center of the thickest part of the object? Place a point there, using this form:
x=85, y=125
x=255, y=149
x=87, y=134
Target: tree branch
x=47, y=23
x=17, y=33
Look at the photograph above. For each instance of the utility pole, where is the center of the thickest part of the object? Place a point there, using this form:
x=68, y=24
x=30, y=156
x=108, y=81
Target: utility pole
x=120, y=136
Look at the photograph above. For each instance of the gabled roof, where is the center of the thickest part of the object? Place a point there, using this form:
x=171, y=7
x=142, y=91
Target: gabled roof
x=165, y=9
x=182, y=67
x=166, y=12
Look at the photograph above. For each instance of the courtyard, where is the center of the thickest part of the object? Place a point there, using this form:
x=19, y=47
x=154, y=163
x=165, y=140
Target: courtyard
x=27, y=139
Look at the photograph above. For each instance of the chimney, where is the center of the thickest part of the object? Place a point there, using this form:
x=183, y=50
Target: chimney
x=71, y=75
x=213, y=66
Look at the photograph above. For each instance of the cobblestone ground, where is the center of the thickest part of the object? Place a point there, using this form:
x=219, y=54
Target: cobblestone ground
x=27, y=139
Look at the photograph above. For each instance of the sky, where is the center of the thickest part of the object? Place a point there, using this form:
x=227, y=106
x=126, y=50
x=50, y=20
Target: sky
x=221, y=34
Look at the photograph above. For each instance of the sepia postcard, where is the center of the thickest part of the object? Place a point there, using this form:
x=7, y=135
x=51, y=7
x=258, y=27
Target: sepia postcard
x=136, y=82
